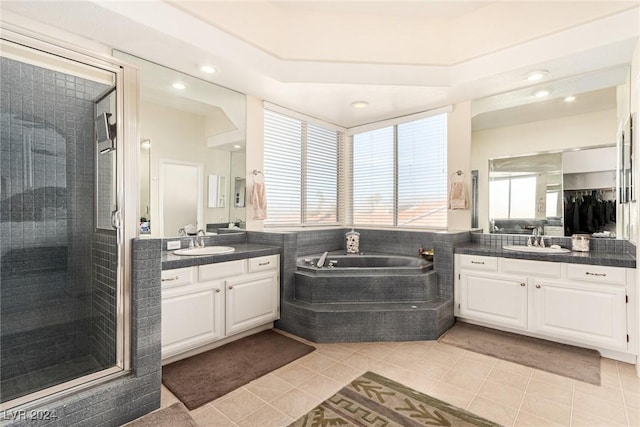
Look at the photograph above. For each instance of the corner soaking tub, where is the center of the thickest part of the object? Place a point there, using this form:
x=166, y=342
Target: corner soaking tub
x=365, y=264
x=376, y=278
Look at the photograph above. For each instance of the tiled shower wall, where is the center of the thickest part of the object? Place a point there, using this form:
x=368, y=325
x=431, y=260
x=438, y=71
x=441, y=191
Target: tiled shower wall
x=123, y=399
x=46, y=215
x=104, y=297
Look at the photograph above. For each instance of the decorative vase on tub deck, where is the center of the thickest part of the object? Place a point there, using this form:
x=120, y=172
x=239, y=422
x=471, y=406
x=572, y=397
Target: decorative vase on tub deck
x=352, y=242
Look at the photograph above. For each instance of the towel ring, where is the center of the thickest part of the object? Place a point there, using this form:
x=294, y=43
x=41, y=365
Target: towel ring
x=256, y=176
x=457, y=174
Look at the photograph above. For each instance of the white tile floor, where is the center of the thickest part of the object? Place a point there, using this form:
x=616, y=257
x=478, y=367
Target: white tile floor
x=504, y=392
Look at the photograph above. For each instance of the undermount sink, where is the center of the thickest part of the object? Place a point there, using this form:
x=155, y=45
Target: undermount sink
x=209, y=250
x=537, y=249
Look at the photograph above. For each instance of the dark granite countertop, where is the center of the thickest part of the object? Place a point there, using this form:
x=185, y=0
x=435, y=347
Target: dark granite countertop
x=242, y=251
x=592, y=258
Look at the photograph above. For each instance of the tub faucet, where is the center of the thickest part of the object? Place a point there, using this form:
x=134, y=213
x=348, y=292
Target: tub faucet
x=322, y=259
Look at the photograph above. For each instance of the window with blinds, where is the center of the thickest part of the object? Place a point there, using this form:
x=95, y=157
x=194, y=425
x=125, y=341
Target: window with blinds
x=301, y=164
x=400, y=174
x=373, y=177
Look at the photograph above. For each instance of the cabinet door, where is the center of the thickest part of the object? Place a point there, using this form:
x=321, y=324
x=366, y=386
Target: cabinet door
x=586, y=313
x=252, y=300
x=494, y=298
x=192, y=315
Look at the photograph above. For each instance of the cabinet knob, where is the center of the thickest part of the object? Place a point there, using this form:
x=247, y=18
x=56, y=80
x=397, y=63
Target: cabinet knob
x=537, y=286
x=523, y=284
x=217, y=290
x=230, y=287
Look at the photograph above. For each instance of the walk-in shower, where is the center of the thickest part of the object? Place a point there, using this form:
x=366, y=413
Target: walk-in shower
x=61, y=311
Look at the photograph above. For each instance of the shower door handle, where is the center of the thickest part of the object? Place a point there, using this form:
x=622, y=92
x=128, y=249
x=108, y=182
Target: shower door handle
x=116, y=223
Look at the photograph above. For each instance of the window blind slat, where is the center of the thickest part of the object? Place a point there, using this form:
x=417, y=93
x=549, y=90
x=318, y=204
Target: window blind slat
x=373, y=179
x=282, y=157
x=418, y=171
x=300, y=156
x=422, y=172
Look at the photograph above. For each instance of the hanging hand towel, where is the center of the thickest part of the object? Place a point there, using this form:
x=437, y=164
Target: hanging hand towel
x=259, y=201
x=458, y=196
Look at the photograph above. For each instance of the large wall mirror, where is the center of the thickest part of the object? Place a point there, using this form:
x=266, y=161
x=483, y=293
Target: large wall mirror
x=200, y=127
x=543, y=162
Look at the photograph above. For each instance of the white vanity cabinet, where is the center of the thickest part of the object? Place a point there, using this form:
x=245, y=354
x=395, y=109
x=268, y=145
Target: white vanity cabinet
x=578, y=304
x=251, y=301
x=591, y=313
x=489, y=296
x=192, y=315
x=207, y=303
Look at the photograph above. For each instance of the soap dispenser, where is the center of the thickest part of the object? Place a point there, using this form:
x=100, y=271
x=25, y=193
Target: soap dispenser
x=352, y=242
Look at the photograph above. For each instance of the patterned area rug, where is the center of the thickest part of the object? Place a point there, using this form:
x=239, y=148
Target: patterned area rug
x=373, y=400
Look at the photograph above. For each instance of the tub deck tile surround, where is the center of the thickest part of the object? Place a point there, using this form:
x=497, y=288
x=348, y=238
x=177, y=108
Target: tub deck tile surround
x=341, y=322
x=327, y=288
x=134, y=395
x=368, y=322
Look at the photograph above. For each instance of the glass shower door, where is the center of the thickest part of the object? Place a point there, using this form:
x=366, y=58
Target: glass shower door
x=60, y=321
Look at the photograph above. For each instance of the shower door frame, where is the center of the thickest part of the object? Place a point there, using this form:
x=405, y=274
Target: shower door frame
x=126, y=83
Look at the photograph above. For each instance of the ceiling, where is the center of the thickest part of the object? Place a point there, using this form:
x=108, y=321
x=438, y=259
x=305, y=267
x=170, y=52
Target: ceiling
x=318, y=57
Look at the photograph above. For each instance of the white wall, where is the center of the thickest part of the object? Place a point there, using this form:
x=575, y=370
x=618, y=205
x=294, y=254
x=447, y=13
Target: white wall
x=179, y=135
x=459, y=158
x=584, y=130
x=255, y=154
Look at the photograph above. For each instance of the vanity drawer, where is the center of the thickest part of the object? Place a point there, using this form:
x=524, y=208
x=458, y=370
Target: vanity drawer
x=475, y=262
x=262, y=263
x=597, y=273
x=528, y=267
x=178, y=276
x=222, y=269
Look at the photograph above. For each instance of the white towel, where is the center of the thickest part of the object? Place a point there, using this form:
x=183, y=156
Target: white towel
x=259, y=201
x=458, y=196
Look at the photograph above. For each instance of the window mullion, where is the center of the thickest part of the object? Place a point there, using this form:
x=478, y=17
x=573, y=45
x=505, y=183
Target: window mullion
x=509, y=204
x=303, y=172
x=395, y=175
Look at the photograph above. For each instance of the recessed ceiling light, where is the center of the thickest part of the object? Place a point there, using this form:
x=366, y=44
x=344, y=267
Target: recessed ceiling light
x=360, y=104
x=209, y=69
x=570, y=98
x=541, y=93
x=236, y=146
x=534, y=76
x=179, y=86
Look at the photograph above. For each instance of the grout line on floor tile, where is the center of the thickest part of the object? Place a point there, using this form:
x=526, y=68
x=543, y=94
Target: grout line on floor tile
x=624, y=400
x=573, y=397
x=524, y=395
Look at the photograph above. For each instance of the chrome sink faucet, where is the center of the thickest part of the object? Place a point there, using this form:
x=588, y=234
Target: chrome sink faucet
x=534, y=234
x=200, y=238
x=537, y=232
